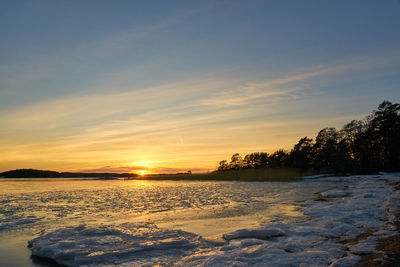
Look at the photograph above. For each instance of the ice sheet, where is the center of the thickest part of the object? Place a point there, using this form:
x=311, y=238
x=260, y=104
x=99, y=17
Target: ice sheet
x=130, y=244
x=361, y=207
x=328, y=235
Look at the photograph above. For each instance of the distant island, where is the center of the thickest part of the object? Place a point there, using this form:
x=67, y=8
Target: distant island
x=32, y=173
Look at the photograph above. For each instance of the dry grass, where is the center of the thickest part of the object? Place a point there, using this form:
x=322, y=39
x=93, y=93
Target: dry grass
x=276, y=175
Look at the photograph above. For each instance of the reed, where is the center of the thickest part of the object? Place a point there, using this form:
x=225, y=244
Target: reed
x=272, y=175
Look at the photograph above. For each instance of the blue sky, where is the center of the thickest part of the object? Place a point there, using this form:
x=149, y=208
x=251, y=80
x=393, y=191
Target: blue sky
x=173, y=85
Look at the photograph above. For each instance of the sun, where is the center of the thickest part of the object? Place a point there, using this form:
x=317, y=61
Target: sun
x=143, y=172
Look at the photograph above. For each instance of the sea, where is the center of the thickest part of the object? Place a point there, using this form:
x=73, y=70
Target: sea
x=92, y=222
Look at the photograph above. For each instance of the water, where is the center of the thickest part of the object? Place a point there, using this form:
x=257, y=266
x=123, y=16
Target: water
x=156, y=214
x=46, y=203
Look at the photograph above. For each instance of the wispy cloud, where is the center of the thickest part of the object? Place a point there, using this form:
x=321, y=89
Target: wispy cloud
x=287, y=86
x=174, y=99
x=188, y=124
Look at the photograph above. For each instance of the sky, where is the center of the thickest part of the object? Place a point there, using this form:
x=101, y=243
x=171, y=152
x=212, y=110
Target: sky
x=170, y=86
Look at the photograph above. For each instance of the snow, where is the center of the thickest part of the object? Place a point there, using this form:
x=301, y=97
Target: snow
x=328, y=236
x=365, y=247
x=130, y=243
x=335, y=193
x=348, y=260
x=357, y=209
x=257, y=233
x=317, y=176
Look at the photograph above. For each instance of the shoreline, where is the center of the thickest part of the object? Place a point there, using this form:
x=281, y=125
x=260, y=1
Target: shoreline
x=388, y=248
x=386, y=251
x=375, y=246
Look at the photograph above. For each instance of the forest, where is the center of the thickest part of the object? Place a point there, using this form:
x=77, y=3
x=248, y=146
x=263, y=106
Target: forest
x=360, y=146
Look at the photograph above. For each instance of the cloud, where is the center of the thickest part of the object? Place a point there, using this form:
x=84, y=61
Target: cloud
x=183, y=125
x=288, y=86
x=174, y=99
x=165, y=108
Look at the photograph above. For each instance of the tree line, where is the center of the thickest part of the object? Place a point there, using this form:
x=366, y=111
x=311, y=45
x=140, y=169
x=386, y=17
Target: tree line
x=32, y=173
x=361, y=146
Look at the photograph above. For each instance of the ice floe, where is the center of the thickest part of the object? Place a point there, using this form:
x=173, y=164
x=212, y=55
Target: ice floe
x=318, y=176
x=123, y=244
x=328, y=238
x=334, y=232
x=257, y=233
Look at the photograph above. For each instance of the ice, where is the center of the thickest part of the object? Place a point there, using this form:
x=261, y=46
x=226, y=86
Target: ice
x=356, y=212
x=13, y=222
x=257, y=233
x=335, y=193
x=390, y=175
x=83, y=201
x=348, y=260
x=123, y=244
x=317, y=176
x=360, y=207
x=364, y=247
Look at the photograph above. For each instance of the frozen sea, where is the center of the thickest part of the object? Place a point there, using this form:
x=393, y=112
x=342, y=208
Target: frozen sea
x=85, y=222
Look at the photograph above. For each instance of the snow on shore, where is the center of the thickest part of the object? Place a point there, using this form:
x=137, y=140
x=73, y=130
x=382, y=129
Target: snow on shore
x=327, y=238
x=129, y=243
x=341, y=215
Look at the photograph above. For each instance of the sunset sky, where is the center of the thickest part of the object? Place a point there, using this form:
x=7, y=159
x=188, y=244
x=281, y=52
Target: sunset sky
x=168, y=86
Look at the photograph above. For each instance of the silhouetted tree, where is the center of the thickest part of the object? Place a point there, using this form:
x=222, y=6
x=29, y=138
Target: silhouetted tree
x=301, y=155
x=223, y=166
x=263, y=160
x=385, y=124
x=325, y=149
x=278, y=159
x=256, y=160
x=236, y=162
x=370, y=145
x=347, y=146
x=249, y=161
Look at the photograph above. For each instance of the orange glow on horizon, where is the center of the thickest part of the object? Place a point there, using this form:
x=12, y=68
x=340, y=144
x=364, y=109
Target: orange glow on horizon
x=143, y=172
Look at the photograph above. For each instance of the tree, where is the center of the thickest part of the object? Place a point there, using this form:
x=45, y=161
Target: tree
x=263, y=160
x=256, y=160
x=325, y=149
x=236, y=162
x=278, y=159
x=223, y=166
x=385, y=127
x=301, y=155
x=349, y=137
x=364, y=146
x=249, y=161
